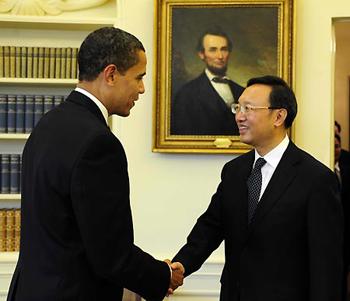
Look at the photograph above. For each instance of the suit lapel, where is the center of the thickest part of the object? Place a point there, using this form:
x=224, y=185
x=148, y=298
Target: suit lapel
x=281, y=179
x=82, y=100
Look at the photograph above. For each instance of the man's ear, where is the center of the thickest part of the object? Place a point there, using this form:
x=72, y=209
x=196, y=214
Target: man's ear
x=110, y=72
x=201, y=55
x=280, y=117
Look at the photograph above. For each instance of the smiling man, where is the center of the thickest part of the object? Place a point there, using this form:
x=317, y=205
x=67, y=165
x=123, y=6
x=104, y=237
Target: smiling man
x=203, y=105
x=77, y=235
x=277, y=209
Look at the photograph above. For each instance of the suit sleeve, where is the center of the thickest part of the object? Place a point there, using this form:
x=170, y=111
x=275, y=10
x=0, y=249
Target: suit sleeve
x=206, y=235
x=325, y=239
x=100, y=196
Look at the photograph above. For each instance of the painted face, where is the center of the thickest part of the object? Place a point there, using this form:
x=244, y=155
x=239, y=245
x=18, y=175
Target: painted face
x=256, y=126
x=128, y=86
x=215, y=54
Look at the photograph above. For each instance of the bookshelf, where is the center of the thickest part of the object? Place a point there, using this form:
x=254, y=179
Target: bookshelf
x=64, y=30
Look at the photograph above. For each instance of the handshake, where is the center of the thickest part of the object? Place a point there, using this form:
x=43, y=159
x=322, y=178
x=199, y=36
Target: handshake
x=177, y=275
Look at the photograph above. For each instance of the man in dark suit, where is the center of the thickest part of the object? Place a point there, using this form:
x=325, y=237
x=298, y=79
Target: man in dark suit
x=77, y=233
x=342, y=170
x=203, y=105
x=277, y=209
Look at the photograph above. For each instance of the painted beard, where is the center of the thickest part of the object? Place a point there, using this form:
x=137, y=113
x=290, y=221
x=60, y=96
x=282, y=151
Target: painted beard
x=217, y=71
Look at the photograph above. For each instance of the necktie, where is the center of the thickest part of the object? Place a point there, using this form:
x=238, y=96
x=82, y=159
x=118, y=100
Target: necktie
x=337, y=172
x=254, y=187
x=220, y=80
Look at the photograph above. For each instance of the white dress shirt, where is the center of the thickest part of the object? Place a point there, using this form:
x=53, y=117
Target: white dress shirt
x=98, y=103
x=223, y=89
x=272, y=159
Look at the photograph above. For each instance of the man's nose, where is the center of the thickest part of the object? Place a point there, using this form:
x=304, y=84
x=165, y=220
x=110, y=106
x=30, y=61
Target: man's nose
x=141, y=88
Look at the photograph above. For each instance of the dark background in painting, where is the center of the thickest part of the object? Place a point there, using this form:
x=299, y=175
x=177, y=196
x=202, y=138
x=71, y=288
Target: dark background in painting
x=253, y=31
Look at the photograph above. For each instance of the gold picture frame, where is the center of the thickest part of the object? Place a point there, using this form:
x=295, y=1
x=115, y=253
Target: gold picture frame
x=262, y=33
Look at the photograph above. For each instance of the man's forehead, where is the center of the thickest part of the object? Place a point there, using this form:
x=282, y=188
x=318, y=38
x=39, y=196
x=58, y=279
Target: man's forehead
x=210, y=39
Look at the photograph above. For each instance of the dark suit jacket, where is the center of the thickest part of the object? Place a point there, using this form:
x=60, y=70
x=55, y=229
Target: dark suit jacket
x=197, y=109
x=292, y=251
x=77, y=232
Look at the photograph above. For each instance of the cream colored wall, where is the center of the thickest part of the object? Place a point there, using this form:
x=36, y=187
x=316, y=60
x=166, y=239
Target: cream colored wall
x=342, y=78
x=168, y=192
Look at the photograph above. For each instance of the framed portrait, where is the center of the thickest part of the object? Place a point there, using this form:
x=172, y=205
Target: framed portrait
x=205, y=53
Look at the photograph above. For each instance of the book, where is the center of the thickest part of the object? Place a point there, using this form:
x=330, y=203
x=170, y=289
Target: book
x=38, y=108
x=75, y=63
x=29, y=62
x=58, y=63
x=18, y=62
x=11, y=113
x=41, y=62
x=63, y=62
x=17, y=229
x=57, y=100
x=6, y=61
x=14, y=173
x=46, y=73
x=48, y=103
x=24, y=55
x=10, y=230
x=19, y=114
x=1, y=61
x=3, y=113
x=68, y=62
x=35, y=72
x=28, y=113
x=2, y=230
x=5, y=173
x=52, y=61
x=12, y=61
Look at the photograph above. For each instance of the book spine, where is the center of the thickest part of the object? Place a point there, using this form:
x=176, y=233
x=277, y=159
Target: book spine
x=3, y=113
x=24, y=62
x=20, y=114
x=2, y=61
x=69, y=63
x=46, y=62
x=12, y=61
x=17, y=229
x=63, y=62
x=48, y=103
x=29, y=62
x=52, y=62
x=28, y=113
x=57, y=100
x=2, y=230
x=35, y=62
x=18, y=62
x=38, y=108
x=6, y=61
x=5, y=173
x=14, y=173
x=11, y=113
x=41, y=62
x=10, y=230
x=58, y=63
x=74, y=63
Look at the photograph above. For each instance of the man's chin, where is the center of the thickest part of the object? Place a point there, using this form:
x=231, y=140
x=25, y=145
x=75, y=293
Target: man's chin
x=217, y=71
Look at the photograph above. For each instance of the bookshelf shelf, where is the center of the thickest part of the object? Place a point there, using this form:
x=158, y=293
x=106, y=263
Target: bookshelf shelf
x=41, y=81
x=10, y=196
x=14, y=136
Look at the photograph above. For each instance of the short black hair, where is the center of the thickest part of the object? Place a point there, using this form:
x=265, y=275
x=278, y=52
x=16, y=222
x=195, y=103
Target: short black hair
x=215, y=31
x=104, y=46
x=281, y=96
x=337, y=125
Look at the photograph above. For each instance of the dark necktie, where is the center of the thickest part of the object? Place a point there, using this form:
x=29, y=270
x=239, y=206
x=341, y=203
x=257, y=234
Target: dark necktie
x=254, y=187
x=220, y=80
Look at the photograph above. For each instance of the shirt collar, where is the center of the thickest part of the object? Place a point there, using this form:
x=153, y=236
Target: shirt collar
x=211, y=75
x=274, y=156
x=98, y=103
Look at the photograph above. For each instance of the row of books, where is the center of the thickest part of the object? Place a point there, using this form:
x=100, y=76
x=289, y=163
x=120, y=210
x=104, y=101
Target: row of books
x=10, y=230
x=20, y=113
x=38, y=62
x=10, y=176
